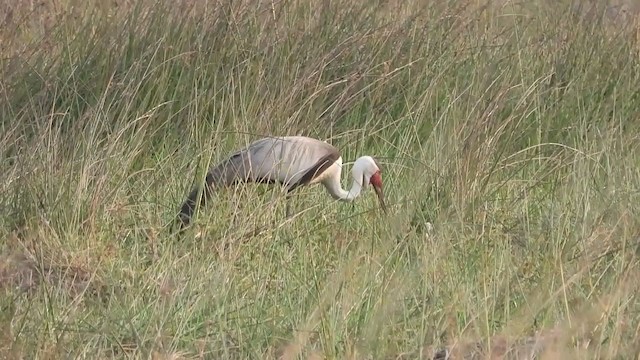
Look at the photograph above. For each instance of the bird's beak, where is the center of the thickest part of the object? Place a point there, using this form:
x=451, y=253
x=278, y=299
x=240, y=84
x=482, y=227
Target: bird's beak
x=380, y=193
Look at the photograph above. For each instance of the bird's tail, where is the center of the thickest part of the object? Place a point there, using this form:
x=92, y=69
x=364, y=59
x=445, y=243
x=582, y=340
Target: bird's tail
x=191, y=204
x=221, y=175
x=188, y=208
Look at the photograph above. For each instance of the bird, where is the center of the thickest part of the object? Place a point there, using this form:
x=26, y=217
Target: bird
x=292, y=161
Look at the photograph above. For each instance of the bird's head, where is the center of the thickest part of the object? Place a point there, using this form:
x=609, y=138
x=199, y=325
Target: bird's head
x=366, y=170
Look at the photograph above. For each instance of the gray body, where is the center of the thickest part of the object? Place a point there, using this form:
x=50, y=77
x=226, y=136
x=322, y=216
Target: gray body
x=291, y=161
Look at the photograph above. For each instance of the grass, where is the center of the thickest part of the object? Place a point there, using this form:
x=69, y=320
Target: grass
x=508, y=136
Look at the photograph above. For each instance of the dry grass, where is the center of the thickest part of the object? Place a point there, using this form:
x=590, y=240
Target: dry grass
x=507, y=132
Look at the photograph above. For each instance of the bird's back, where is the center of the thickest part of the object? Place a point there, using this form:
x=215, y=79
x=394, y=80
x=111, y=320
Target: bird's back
x=291, y=160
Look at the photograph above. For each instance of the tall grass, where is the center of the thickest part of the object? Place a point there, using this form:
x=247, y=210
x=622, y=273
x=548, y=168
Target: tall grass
x=508, y=135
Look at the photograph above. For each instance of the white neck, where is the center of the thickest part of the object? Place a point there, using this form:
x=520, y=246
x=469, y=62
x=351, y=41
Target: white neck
x=336, y=190
x=338, y=193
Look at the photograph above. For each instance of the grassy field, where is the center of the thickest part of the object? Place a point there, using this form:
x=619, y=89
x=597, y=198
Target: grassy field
x=508, y=135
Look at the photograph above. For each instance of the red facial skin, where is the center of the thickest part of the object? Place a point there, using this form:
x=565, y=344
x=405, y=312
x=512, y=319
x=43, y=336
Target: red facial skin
x=376, y=182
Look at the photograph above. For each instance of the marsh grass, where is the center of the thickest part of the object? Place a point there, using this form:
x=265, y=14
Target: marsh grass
x=508, y=136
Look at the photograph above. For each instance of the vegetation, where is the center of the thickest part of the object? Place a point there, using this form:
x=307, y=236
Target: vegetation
x=508, y=135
